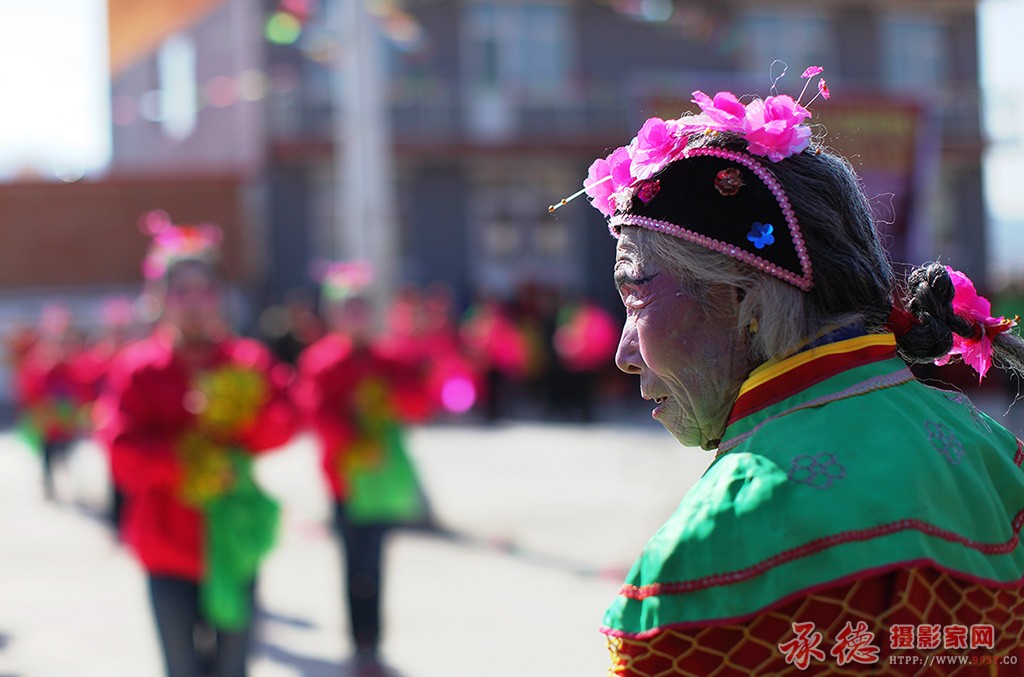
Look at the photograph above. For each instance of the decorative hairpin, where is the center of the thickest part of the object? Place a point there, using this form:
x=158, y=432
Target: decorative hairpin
x=171, y=243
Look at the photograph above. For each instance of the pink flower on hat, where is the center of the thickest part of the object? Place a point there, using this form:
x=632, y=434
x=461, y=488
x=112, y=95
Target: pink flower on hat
x=723, y=113
x=655, y=146
x=774, y=128
x=606, y=177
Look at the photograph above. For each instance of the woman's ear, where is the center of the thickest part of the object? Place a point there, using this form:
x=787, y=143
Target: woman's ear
x=741, y=294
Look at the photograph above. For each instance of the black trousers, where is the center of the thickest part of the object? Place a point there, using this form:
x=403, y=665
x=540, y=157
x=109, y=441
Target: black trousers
x=362, y=547
x=191, y=646
x=53, y=452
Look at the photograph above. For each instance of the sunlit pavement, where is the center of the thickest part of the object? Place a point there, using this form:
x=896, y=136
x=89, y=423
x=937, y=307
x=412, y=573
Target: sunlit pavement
x=539, y=523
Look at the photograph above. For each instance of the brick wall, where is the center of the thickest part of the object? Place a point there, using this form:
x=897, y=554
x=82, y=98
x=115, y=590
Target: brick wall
x=86, y=233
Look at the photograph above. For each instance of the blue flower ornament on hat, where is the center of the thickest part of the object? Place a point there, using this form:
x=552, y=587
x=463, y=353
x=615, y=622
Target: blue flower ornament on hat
x=724, y=200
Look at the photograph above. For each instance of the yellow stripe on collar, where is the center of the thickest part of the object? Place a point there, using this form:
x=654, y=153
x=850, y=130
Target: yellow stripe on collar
x=773, y=369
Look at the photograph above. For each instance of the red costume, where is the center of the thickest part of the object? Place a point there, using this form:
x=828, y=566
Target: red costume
x=51, y=391
x=149, y=408
x=330, y=373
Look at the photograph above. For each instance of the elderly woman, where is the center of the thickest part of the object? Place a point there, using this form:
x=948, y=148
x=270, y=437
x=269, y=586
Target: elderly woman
x=852, y=516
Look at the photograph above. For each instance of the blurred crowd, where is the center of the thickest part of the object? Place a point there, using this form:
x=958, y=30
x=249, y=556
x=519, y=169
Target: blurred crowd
x=532, y=355
x=181, y=404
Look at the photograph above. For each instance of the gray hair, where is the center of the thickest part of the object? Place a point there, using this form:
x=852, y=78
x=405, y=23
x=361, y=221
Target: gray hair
x=853, y=280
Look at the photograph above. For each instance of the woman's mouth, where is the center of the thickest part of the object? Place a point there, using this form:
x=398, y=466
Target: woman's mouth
x=659, y=403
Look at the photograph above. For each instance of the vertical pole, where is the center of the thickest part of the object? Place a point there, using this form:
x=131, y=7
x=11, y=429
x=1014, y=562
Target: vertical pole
x=364, y=203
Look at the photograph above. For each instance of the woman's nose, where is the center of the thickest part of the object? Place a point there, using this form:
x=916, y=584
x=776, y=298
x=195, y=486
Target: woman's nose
x=627, y=355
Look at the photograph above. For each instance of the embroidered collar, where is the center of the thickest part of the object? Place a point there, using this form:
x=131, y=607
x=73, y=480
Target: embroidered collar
x=822, y=358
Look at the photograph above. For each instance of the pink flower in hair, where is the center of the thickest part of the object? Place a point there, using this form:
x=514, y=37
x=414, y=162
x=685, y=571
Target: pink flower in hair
x=774, y=128
x=340, y=280
x=724, y=113
x=976, y=351
x=172, y=243
x=655, y=146
x=811, y=72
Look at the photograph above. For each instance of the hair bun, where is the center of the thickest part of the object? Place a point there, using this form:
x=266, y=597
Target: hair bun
x=930, y=299
x=931, y=293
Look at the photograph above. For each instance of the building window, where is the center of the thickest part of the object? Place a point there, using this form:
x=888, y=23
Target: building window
x=515, y=54
x=518, y=46
x=912, y=51
x=513, y=239
x=798, y=38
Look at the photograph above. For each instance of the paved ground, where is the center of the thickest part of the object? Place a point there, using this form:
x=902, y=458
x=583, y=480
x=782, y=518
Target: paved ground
x=547, y=518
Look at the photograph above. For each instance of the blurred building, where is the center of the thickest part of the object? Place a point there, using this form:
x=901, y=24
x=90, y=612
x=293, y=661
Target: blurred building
x=497, y=108
x=222, y=111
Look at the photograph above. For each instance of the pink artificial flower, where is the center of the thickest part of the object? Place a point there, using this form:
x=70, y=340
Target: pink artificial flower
x=171, y=242
x=823, y=89
x=598, y=186
x=606, y=177
x=976, y=351
x=811, y=72
x=621, y=166
x=774, y=128
x=724, y=113
x=655, y=146
x=689, y=125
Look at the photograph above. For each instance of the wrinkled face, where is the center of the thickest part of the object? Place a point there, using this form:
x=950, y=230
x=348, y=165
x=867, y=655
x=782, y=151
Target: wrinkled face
x=193, y=301
x=691, y=362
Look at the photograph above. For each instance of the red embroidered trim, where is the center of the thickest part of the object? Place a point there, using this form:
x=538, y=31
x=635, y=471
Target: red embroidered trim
x=804, y=376
x=783, y=601
x=1018, y=458
x=682, y=587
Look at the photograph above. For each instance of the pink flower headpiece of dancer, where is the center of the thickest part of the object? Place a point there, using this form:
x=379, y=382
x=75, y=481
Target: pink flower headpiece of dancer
x=340, y=280
x=727, y=201
x=171, y=243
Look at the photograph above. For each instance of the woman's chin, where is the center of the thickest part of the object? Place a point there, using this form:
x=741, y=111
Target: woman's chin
x=687, y=435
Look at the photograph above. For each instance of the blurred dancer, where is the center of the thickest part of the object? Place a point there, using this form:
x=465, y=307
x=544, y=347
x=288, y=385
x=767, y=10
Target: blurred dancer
x=584, y=343
x=292, y=326
x=185, y=411
x=357, y=395
x=421, y=329
x=50, y=391
x=499, y=351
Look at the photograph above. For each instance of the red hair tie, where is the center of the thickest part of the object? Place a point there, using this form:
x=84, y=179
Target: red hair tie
x=900, y=319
